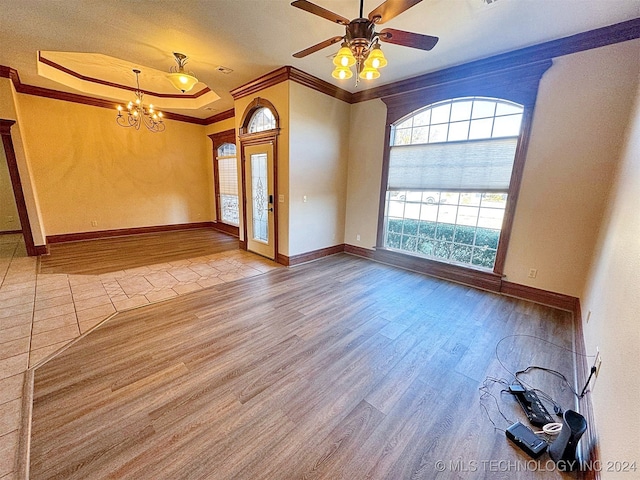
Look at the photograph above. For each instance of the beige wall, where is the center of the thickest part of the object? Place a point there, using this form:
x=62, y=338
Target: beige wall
x=10, y=110
x=611, y=295
x=278, y=95
x=87, y=168
x=579, y=123
x=580, y=117
x=9, y=220
x=367, y=124
x=318, y=154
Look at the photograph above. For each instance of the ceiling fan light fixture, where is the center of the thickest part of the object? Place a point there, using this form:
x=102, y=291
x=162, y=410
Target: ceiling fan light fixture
x=183, y=81
x=344, y=57
x=369, y=73
x=376, y=58
x=342, y=73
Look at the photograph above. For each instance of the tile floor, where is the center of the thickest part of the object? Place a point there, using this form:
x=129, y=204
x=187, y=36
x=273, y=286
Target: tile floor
x=41, y=313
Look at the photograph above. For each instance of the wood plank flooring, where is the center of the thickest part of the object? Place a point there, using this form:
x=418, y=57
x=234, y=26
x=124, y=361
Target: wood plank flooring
x=337, y=369
x=106, y=255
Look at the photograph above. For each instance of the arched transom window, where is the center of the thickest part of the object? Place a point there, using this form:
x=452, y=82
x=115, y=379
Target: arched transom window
x=450, y=168
x=261, y=120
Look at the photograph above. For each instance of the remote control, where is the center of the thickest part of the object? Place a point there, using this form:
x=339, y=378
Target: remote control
x=532, y=406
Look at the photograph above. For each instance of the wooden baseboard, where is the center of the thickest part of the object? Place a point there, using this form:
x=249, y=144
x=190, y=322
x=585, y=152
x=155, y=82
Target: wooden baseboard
x=226, y=228
x=359, y=251
x=536, y=295
x=74, y=237
x=41, y=249
x=10, y=232
x=309, y=256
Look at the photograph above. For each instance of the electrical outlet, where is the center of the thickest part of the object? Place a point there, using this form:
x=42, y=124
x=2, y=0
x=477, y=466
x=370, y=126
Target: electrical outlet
x=94, y=223
x=533, y=272
x=597, y=362
x=358, y=238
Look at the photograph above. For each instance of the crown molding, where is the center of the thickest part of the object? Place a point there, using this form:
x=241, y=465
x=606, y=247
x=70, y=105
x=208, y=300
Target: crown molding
x=218, y=117
x=600, y=37
x=23, y=88
x=291, y=73
x=617, y=33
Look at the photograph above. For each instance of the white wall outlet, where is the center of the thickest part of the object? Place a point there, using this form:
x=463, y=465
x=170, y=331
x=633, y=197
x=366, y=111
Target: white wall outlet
x=94, y=223
x=281, y=198
x=304, y=198
x=597, y=362
x=358, y=237
x=533, y=272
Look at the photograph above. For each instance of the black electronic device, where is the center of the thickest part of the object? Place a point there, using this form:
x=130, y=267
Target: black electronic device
x=526, y=440
x=532, y=406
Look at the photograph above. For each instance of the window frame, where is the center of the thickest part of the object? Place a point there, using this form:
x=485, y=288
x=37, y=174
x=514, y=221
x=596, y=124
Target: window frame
x=219, y=139
x=516, y=84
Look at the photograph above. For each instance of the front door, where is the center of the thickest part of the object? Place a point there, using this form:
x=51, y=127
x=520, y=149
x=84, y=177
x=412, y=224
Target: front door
x=260, y=193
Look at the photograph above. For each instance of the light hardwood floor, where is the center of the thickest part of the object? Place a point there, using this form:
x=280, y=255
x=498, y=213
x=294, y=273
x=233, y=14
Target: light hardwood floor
x=340, y=369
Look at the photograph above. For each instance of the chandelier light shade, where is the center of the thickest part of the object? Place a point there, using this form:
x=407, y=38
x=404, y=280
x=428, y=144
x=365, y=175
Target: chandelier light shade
x=136, y=114
x=183, y=81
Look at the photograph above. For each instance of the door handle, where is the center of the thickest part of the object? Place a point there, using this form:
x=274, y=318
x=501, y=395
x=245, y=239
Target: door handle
x=270, y=198
x=270, y=209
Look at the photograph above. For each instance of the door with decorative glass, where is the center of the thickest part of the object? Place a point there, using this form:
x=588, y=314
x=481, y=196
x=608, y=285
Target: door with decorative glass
x=260, y=199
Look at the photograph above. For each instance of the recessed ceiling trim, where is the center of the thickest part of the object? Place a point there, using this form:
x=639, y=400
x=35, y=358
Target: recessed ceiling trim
x=108, y=77
x=68, y=71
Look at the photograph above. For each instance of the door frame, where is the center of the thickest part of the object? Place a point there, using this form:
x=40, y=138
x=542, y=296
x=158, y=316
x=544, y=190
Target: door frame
x=18, y=193
x=252, y=139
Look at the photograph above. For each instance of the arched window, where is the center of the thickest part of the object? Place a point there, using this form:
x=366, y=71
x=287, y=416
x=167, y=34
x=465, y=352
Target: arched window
x=449, y=173
x=227, y=169
x=261, y=120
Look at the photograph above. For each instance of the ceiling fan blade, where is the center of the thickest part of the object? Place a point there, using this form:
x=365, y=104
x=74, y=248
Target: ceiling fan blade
x=408, y=39
x=317, y=46
x=389, y=9
x=321, y=12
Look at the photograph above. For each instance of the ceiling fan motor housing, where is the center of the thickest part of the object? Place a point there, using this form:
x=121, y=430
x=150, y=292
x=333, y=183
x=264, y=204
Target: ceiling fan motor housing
x=360, y=34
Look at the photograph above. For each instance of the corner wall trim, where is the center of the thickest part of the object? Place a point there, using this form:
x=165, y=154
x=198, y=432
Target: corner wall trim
x=121, y=232
x=588, y=447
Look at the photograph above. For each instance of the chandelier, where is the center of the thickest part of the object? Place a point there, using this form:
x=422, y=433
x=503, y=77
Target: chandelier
x=137, y=114
x=183, y=81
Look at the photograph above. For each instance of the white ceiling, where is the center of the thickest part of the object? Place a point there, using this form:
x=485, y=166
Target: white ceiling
x=254, y=37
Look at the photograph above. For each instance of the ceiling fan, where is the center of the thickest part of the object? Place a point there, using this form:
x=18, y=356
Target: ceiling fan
x=361, y=42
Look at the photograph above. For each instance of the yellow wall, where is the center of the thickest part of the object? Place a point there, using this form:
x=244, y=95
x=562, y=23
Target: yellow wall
x=228, y=124
x=583, y=104
x=579, y=122
x=318, y=155
x=10, y=110
x=278, y=95
x=87, y=168
x=612, y=298
x=9, y=220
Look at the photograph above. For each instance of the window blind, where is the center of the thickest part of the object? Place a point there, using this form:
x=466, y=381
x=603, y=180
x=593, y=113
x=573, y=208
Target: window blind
x=471, y=165
x=228, y=176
